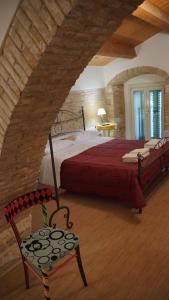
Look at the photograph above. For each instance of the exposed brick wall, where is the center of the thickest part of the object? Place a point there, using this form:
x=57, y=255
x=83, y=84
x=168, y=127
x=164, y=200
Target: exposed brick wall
x=91, y=100
x=9, y=252
x=133, y=72
x=49, y=44
x=51, y=52
x=115, y=106
x=115, y=96
x=70, y=117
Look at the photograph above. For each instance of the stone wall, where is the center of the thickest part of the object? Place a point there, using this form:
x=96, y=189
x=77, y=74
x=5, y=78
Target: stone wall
x=115, y=107
x=9, y=252
x=91, y=100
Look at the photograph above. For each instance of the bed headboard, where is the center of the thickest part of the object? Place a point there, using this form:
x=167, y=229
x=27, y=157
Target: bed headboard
x=64, y=117
x=68, y=121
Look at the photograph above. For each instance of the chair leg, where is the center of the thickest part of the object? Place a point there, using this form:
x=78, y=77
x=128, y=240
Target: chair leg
x=45, y=285
x=79, y=262
x=26, y=272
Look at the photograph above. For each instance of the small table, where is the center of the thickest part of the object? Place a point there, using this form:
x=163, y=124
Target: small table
x=106, y=127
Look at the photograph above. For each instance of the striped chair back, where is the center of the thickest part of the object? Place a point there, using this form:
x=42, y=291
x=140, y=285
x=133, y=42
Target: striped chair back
x=26, y=201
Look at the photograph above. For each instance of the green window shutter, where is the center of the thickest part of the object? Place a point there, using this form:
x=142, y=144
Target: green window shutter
x=155, y=113
x=139, y=116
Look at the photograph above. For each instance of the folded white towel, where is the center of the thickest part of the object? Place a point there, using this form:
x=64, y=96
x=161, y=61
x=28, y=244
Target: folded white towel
x=141, y=151
x=151, y=143
x=130, y=160
x=129, y=155
x=149, y=146
x=132, y=157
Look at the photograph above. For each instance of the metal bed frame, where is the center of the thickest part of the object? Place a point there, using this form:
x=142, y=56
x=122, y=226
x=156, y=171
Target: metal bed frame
x=57, y=130
x=163, y=167
x=54, y=132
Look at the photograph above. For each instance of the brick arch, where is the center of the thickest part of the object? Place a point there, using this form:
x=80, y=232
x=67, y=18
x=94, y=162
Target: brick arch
x=126, y=75
x=47, y=47
x=116, y=97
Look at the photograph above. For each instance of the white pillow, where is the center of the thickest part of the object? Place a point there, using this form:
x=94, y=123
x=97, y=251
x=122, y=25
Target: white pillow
x=58, y=145
x=88, y=134
x=69, y=136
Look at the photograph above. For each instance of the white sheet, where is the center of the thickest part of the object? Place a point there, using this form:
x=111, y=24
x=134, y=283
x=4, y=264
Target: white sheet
x=76, y=147
x=151, y=143
x=132, y=157
x=142, y=151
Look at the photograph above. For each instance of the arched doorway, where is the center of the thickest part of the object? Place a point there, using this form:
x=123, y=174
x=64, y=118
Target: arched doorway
x=116, y=96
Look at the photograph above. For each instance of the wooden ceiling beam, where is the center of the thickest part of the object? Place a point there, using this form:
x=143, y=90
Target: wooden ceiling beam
x=99, y=60
x=115, y=48
x=151, y=14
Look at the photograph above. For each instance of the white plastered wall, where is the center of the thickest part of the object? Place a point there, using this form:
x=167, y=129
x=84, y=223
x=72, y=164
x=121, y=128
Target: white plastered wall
x=91, y=78
x=154, y=52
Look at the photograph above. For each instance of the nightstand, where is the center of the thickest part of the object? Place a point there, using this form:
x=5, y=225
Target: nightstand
x=106, y=128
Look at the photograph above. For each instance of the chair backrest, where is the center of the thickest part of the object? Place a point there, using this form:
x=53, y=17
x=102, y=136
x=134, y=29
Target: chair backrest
x=23, y=202
x=26, y=201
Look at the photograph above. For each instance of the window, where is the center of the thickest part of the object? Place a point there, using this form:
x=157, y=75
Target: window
x=147, y=112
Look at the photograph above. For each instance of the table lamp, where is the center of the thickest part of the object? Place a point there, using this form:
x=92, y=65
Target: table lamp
x=101, y=111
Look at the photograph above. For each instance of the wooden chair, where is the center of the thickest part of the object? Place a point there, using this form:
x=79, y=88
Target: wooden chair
x=42, y=249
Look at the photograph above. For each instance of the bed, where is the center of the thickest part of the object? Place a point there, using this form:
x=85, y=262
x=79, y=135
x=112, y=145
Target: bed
x=88, y=163
x=64, y=148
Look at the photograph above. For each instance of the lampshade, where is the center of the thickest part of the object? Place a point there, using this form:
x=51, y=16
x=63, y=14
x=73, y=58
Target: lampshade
x=101, y=111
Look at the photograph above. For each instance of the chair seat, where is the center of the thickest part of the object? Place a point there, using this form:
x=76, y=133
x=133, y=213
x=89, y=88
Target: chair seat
x=48, y=245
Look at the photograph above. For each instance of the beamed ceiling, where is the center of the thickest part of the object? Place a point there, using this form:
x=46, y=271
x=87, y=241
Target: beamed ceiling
x=148, y=19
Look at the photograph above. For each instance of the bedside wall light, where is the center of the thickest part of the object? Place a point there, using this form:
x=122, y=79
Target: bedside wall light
x=100, y=112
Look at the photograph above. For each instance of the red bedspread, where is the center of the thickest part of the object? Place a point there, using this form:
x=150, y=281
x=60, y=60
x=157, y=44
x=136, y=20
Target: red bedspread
x=101, y=171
